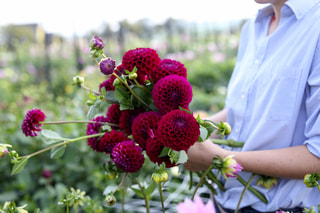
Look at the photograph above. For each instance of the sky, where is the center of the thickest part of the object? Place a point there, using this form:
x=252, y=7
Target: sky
x=67, y=17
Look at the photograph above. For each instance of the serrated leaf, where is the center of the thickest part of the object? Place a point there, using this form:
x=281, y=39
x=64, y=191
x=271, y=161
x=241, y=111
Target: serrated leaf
x=19, y=166
x=58, y=152
x=50, y=137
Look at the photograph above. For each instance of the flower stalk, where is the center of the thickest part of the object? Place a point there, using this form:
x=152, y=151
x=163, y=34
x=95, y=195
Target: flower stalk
x=161, y=197
x=253, y=190
x=146, y=200
x=68, y=122
x=244, y=190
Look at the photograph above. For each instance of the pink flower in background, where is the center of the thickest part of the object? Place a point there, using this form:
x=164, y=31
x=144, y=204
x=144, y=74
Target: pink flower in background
x=196, y=206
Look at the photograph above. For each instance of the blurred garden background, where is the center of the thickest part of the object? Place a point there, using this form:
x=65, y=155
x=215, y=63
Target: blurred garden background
x=36, y=71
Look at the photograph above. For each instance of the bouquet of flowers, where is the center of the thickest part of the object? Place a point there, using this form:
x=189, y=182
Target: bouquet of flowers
x=140, y=113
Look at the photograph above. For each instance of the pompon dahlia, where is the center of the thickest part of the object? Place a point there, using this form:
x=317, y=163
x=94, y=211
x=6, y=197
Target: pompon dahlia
x=31, y=123
x=154, y=148
x=113, y=115
x=145, y=59
x=168, y=67
x=108, y=84
x=172, y=92
x=94, y=128
x=110, y=139
x=127, y=156
x=179, y=130
x=107, y=65
x=127, y=117
x=96, y=43
x=144, y=127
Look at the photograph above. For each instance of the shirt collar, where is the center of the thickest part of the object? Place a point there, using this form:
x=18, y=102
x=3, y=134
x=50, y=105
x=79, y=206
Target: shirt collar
x=297, y=7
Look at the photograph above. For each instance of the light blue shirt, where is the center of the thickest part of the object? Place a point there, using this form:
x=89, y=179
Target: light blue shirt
x=273, y=98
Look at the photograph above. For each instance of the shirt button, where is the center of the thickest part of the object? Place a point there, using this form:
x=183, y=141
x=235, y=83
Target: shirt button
x=256, y=61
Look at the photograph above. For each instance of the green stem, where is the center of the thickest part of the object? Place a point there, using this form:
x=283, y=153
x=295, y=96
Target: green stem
x=137, y=83
x=214, y=178
x=253, y=190
x=200, y=181
x=161, y=197
x=228, y=142
x=95, y=60
x=121, y=183
x=90, y=90
x=132, y=92
x=214, y=125
x=67, y=122
x=61, y=144
x=144, y=195
x=68, y=208
x=318, y=186
x=244, y=190
x=191, y=180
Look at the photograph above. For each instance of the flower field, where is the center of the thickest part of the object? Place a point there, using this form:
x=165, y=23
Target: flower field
x=36, y=75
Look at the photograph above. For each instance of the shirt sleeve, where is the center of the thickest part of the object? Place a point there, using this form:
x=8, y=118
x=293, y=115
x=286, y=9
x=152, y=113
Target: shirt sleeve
x=312, y=131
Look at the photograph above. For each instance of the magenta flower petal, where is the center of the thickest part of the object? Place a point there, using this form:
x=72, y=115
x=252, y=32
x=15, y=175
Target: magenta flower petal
x=110, y=139
x=127, y=156
x=96, y=43
x=172, y=92
x=94, y=128
x=144, y=127
x=168, y=67
x=31, y=123
x=107, y=66
x=179, y=130
x=127, y=117
x=113, y=115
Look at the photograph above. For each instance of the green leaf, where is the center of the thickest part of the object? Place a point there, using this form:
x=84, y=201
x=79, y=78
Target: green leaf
x=50, y=137
x=137, y=191
x=164, y=152
x=99, y=107
x=183, y=157
x=109, y=95
x=58, y=152
x=203, y=134
x=150, y=189
x=19, y=166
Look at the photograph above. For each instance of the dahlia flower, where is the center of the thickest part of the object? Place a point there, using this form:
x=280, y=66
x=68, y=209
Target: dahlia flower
x=31, y=123
x=113, y=115
x=4, y=149
x=94, y=128
x=127, y=117
x=154, y=148
x=127, y=156
x=146, y=60
x=179, y=130
x=107, y=66
x=110, y=139
x=144, y=127
x=172, y=92
x=168, y=67
x=108, y=84
x=196, y=206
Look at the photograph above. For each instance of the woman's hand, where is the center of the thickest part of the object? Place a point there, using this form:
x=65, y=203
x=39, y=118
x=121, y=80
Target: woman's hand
x=200, y=155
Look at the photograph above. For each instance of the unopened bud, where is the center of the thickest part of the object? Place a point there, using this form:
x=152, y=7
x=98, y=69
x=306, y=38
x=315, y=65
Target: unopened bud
x=4, y=150
x=227, y=128
x=311, y=180
x=89, y=103
x=160, y=177
x=110, y=200
x=133, y=76
x=78, y=80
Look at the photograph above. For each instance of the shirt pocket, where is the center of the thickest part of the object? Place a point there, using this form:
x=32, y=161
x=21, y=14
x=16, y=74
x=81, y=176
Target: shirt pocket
x=281, y=92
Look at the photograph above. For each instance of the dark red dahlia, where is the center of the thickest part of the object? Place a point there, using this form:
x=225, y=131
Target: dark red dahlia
x=168, y=67
x=107, y=66
x=172, y=92
x=127, y=117
x=179, y=130
x=113, y=115
x=127, y=156
x=31, y=123
x=110, y=139
x=46, y=173
x=144, y=127
x=154, y=148
x=108, y=84
x=94, y=128
x=145, y=59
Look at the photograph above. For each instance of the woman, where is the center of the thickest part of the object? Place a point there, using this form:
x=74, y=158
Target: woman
x=273, y=105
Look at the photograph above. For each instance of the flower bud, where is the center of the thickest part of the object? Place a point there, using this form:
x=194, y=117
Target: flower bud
x=160, y=177
x=110, y=200
x=116, y=82
x=133, y=76
x=78, y=80
x=311, y=180
x=227, y=128
x=107, y=66
x=89, y=103
x=4, y=150
x=96, y=43
x=267, y=181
